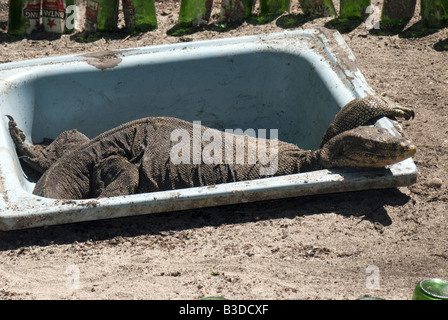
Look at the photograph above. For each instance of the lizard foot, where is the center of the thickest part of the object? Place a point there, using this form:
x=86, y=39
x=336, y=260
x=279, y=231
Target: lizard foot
x=16, y=134
x=30, y=154
x=402, y=112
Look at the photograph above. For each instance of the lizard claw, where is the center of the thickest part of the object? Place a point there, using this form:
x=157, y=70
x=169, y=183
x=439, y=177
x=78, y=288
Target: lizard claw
x=406, y=113
x=14, y=130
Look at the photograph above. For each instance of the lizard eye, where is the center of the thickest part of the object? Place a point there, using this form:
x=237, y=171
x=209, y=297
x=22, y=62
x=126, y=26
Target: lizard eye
x=368, y=145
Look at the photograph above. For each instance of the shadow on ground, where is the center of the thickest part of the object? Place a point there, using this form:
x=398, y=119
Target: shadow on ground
x=343, y=25
x=442, y=45
x=417, y=30
x=366, y=205
x=290, y=21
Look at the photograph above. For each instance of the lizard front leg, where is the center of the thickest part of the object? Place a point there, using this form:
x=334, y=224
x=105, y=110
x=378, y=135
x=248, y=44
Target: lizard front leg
x=361, y=111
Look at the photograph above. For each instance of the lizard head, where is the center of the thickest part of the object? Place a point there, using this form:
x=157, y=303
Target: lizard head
x=366, y=147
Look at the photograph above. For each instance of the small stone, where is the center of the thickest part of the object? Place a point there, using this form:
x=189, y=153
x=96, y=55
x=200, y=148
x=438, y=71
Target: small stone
x=434, y=183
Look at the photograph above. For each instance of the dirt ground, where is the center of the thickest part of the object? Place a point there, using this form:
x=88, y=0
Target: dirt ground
x=340, y=246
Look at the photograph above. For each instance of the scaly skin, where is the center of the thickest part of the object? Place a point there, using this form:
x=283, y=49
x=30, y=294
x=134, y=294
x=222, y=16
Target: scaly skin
x=136, y=157
x=359, y=112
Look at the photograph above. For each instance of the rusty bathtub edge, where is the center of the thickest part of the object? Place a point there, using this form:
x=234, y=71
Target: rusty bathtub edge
x=343, y=53
x=310, y=183
x=341, y=57
x=119, y=53
x=103, y=60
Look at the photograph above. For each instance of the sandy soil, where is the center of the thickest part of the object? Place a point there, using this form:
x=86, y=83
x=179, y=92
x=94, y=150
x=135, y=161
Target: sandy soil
x=340, y=246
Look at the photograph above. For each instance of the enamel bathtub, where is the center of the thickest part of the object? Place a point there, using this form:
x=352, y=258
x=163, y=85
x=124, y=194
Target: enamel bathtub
x=293, y=82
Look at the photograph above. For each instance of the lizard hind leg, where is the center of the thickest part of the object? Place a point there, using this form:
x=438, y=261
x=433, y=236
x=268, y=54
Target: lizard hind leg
x=114, y=176
x=41, y=156
x=30, y=154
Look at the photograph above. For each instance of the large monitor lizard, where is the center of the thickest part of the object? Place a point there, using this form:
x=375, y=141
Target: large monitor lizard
x=151, y=154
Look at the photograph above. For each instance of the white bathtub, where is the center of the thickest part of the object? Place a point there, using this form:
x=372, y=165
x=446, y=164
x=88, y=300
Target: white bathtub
x=294, y=82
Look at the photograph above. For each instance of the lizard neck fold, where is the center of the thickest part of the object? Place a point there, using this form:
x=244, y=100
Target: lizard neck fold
x=311, y=160
x=297, y=160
